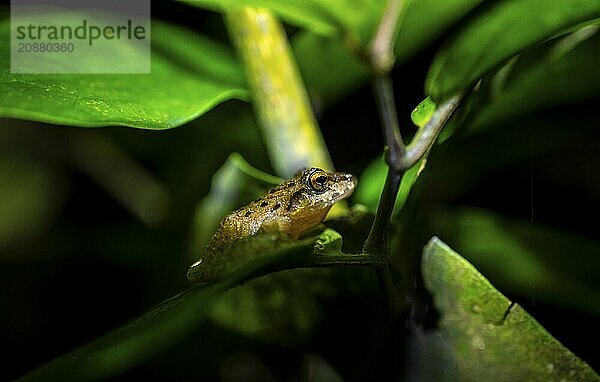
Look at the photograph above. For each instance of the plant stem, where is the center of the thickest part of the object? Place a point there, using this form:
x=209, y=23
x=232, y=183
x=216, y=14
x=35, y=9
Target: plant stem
x=398, y=156
x=381, y=62
x=381, y=52
x=289, y=128
x=377, y=243
x=284, y=113
x=386, y=106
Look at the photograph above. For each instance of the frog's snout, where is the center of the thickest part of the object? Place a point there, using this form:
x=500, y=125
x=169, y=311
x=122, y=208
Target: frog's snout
x=349, y=180
x=353, y=180
x=347, y=183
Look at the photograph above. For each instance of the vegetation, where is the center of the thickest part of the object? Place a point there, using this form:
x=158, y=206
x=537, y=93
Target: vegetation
x=465, y=254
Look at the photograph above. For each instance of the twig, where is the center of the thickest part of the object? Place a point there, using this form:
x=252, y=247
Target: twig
x=399, y=157
x=377, y=243
x=386, y=106
x=381, y=52
x=381, y=61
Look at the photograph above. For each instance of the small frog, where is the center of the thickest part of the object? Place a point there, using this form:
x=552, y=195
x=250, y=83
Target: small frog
x=291, y=208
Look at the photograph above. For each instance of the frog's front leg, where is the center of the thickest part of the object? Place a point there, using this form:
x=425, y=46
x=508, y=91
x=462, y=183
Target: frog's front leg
x=278, y=225
x=271, y=226
x=284, y=226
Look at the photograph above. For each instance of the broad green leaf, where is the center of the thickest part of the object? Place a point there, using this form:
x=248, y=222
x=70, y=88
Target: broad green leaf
x=321, y=16
x=190, y=75
x=527, y=259
x=215, y=266
x=329, y=67
x=498, y=32
x=169, y=322
x=560, y=71
x=281, y=307
x=284, y=307
x=426, y=20
x=309, y=15
x=485, y=335
x=455, y=171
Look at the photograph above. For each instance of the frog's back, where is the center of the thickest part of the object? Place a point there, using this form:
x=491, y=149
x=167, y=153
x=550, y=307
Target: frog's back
x=232, y=227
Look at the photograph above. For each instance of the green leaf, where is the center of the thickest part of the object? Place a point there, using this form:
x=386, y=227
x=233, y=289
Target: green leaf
x=527, y=259
x=219, y=265
x=423, y=112
x=320, y=16
x=190, y=75
x=283, y=307
x=309, y=15
x=370, y=184
x=330, y=69
x=498, y=32
x=487, y=337
x=426, y=20
x=563, y=70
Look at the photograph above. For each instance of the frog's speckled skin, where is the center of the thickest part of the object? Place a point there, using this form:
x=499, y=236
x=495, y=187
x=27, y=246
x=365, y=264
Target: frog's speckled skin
x=292, y=208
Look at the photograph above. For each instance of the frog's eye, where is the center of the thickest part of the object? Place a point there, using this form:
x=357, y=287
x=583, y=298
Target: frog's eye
x=318, y=180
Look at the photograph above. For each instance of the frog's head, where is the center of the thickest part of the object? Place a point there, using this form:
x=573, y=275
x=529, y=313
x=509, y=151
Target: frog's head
x=317, y=191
